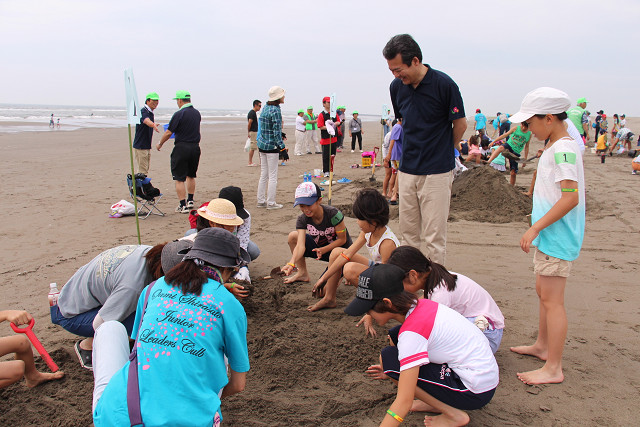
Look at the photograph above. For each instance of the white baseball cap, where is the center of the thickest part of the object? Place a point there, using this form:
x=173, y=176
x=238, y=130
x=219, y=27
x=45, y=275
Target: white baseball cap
x=544, y=100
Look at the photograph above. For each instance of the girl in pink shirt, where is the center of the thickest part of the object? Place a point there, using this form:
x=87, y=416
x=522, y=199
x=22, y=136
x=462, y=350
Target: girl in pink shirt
x=454, y=290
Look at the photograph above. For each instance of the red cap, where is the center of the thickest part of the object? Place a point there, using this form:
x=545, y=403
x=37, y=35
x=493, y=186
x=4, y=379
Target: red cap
x=326, y=99
x=477, y=110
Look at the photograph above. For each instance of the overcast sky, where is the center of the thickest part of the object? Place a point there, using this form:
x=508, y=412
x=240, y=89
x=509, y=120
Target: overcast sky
x=227, y=53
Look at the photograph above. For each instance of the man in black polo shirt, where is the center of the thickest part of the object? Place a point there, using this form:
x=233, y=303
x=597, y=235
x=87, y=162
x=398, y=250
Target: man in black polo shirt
x=252, y=129
x=185, y=157
x=144, y=133
x=433, y=121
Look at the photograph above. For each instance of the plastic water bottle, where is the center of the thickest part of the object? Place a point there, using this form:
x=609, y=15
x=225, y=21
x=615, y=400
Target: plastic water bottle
x=54, y=293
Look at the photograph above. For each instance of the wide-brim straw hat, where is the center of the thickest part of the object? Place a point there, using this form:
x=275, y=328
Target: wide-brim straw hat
x=221, y=211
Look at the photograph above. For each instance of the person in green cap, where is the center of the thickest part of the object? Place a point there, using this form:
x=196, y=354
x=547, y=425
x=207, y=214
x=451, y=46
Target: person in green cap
x=300, y=133
x=579, y=117
x=311, y=127
x=144, y=133
x=185, y=157
x=340, y=114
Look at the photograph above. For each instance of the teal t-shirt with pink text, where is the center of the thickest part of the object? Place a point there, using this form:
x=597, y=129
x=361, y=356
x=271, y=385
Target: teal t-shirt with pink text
x=181, y=347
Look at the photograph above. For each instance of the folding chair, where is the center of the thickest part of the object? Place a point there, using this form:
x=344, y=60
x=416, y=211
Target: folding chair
x=147, y=201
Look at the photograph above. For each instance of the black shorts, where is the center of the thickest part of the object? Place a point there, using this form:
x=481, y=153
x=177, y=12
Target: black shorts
x=438, y=380
x=310, y=245
x=185, y=158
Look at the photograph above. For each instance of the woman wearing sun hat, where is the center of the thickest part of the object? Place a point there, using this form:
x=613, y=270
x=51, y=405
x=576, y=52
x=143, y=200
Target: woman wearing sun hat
x=270, y=144
x=190, y=324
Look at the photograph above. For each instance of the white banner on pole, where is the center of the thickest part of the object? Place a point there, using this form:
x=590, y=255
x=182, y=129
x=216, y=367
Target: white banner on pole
x=133, y=108
x=333, y=106
x=385, y=111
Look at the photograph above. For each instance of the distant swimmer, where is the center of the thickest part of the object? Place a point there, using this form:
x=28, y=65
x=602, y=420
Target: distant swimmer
x=58, y=123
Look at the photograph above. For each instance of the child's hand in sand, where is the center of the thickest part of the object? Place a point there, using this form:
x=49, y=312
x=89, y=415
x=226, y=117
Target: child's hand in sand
x=17, y=317
x=368, y=325
x=318, y=288
x=527, y=238
x=319, y=252
x=238, y=291
x=376, y=372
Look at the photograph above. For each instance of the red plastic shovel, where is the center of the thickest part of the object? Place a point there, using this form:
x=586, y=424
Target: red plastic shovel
x=34, y=340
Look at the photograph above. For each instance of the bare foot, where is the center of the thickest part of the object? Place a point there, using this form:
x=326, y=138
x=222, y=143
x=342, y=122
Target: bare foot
x=420, y=406
x=298, y=277
x=322, y=304
x=459, y=418
x=541, y=376
x=530, y=350
x=41, y=377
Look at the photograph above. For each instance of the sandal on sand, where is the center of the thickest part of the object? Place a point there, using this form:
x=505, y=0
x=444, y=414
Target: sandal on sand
x=84, y=356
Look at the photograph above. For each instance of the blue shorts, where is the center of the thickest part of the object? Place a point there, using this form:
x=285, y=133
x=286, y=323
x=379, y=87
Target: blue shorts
x=82, y=324
x=513, y=165
x=438, y=380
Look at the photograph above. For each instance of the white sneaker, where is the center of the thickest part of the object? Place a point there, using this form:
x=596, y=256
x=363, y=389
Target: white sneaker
x=262, y=205
x=274, y=206
x=352, y=151
x=326, y=174
x=362, y=151
x=190, y=204
x=182, y=209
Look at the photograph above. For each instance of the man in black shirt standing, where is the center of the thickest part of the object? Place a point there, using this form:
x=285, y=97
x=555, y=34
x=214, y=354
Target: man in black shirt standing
x=144, y=133
x=252, y=129
x=185, y=157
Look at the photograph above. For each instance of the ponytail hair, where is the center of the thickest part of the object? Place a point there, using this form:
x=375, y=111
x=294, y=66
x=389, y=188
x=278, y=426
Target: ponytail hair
x=409, y=258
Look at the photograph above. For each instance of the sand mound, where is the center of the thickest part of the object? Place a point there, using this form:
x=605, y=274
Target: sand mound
x=483, y=194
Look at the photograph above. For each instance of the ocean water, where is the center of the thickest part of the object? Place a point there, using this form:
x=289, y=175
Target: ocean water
x=35, y=118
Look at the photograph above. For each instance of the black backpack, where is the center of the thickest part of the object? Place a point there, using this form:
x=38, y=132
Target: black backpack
x=144, y=189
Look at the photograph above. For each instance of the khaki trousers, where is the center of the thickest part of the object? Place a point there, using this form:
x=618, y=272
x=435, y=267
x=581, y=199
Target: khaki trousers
x=143, y=158
x=424, y=210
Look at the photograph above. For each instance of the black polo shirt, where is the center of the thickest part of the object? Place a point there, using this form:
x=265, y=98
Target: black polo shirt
x=185, y=123
x=427, y=114
x=144, y=133
x=254, y=124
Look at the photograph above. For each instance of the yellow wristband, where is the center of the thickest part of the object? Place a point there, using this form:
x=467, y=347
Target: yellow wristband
x=292, y=265
x=345, y=257
x=232, y=284
x=394, y=415
x=341, y=231
x=569, y=190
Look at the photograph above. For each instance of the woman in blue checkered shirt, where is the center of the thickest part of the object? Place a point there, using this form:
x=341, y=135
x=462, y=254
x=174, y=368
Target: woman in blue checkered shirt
x=270, y=144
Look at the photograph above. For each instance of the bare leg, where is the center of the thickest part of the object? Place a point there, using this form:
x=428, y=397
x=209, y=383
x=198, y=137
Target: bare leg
x=533, y=184
x=251, y=156
x=495, y=154
x=552, y=299
x=539, y=349
x=181, y=190
x=449, y=416
x=352, y=271
x=191, y=185
x=392, y=186
x=385, y=183
x=512, y=178
x=11, y=372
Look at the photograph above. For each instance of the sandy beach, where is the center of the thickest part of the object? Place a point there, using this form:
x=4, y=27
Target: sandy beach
x=308, y=368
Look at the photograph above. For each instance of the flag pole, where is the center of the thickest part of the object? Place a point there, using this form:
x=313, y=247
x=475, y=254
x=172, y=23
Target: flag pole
x=135, y=197
x=132, y=117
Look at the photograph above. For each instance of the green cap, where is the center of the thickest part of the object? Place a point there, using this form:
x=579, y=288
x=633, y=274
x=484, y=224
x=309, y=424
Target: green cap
x=182, y=94
x=355, y=112
x=342, y=107
x=300, y=111
x=309, y=107
x=152, y=96
x=581, y=100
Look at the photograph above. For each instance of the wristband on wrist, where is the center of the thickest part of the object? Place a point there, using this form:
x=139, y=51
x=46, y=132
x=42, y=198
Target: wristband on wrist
x=394, y=415
x=291, y=264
